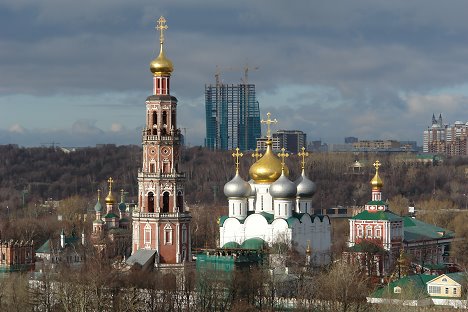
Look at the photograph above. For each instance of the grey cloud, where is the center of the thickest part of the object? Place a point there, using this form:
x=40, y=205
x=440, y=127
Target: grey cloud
x=367, y=53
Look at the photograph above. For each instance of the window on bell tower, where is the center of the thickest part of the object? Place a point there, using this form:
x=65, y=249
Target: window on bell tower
x=150, y=202
x=165, y=205
x=180, y=201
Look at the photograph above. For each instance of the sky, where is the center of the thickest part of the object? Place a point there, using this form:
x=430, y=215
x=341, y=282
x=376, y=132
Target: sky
x=77, y=72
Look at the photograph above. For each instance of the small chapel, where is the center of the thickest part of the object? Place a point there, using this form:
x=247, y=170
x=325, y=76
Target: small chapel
x=111, y=227
x=270, y=208
x=378, y=237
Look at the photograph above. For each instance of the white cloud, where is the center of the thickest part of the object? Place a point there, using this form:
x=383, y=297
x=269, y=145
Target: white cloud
x=16, y=128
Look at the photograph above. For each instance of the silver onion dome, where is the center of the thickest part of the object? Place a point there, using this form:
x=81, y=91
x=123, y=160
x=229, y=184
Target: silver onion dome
x=237, y=187
x=305, y=187
x=283, y=188
x=253, y=190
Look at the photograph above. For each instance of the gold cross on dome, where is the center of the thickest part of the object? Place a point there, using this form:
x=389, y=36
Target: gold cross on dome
x=303, y=154
x=237, y=155
x=377, y=165
x=268, y=122
x=161, y=27
x=98, y=194
x=110, y=184
x=256, y=154
x=283, y=155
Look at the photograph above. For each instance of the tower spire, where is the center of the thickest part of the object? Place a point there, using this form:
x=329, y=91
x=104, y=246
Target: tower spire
x=268, y=122
x=256, y=154
x=303, y=154
x=237, y=155
x=283, y=155
x=161, y=26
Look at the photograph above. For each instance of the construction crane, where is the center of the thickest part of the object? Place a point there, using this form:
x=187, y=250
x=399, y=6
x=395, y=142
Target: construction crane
x=51, y=144
x=245, y=69
x=245, y=80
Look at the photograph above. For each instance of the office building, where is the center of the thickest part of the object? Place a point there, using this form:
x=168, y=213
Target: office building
x=232, y=117
x=292, y=140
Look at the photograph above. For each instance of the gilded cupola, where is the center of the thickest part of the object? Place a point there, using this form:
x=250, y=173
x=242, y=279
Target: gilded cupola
x=376, y=182
x=110, y=199
x=161, y=66
x=268, y=168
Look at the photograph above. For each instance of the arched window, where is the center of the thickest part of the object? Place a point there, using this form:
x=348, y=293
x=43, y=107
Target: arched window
x=155, y=122
x=165, y=205
x=150, y=202
x=173, y=119
x=164, y=122
x=180, y=201
x=168, y=235
x=147, y=237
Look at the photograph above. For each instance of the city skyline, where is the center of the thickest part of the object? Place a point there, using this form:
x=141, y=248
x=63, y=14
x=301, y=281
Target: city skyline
x=76, y=73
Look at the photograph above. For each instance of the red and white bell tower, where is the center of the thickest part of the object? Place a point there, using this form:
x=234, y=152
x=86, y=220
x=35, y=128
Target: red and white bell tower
x=161, y=224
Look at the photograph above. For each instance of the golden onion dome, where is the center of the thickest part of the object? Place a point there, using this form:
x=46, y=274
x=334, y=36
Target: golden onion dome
x=376, y=182
x=268, y=168
x=110, y=198
x=161, y=66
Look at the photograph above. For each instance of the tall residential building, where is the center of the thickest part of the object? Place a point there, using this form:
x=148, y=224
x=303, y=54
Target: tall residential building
x=292, y=140
x=434, y=137
x=161, y=226
x=232, y=117
x=446, y=139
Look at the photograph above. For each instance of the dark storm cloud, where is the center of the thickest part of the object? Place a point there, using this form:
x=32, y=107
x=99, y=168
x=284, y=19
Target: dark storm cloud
x=380, y=59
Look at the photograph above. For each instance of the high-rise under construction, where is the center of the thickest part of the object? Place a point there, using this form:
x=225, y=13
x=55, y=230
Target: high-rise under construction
x=232, y=116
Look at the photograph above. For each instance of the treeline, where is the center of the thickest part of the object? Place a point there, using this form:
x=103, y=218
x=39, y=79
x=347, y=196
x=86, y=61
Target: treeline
x=97, y=287
x=37, y=174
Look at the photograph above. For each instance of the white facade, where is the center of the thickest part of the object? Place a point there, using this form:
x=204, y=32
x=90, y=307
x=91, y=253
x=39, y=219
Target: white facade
x=276, y=220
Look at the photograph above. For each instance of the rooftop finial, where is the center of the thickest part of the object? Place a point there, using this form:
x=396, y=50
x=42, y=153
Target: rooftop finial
x=161, y=27
x=237, y=155
x=268, y=122
x=377, y=165
x=308, y=250
x=110, y=180
x=303, y=155
x=256, y=154
x=283, y=155
x=98, y=194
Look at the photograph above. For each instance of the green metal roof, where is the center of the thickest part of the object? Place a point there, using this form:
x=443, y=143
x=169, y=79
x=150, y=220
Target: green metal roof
x=45, y=248
x=268, y=216
x=222, y=219
x=111, y=215
x=378, y=215
x=271, y=217
x=416, y=284
x=253, y=243
x=416, y=230
x=230, y=245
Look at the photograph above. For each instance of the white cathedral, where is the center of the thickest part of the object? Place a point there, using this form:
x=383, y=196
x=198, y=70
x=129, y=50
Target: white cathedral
x=271, y=209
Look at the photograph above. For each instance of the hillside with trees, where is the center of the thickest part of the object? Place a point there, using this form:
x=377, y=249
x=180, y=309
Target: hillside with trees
x=30, y=176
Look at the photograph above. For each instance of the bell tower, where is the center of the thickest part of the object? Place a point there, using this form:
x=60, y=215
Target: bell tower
x=161, y=224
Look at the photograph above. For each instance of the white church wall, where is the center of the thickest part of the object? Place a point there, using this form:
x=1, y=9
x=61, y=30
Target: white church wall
x=231, y=231
x=257, y=226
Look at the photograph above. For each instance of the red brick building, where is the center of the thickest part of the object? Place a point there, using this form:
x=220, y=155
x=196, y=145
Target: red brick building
x=16, y=256
x=161, y=226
